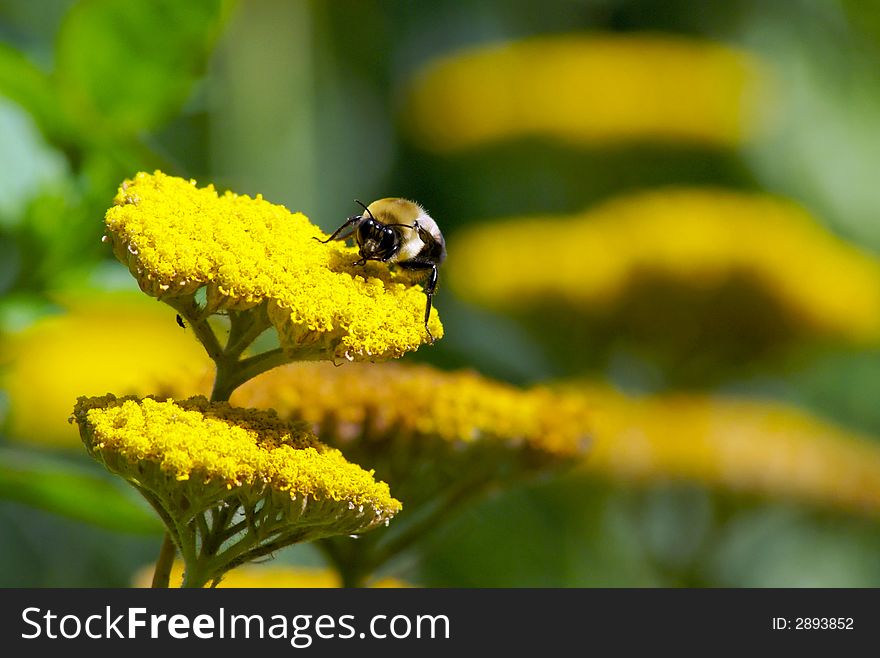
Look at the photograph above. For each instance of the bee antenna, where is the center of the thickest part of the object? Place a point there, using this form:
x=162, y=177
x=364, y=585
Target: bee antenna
x=361, y=204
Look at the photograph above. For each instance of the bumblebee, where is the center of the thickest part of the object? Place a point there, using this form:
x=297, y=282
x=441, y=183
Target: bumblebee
x=397, y=231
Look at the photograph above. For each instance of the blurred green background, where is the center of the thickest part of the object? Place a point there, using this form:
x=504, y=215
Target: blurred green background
x=305, y=103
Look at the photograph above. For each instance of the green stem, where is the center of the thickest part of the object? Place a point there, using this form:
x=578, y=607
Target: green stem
x=232, y=375
x=200, y=526
x=194, y=576
x=217, y=536
x=419, y=529
x=245, y=328
x=204, y=563
x=232, y=530
x=173, y=537
x=354, y=573
x=235, y=557
x=189, y=309
x=162, y=574
x=346, y=558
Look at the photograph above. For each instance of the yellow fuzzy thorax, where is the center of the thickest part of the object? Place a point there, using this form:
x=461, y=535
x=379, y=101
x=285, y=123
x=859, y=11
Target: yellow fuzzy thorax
x=394, y=210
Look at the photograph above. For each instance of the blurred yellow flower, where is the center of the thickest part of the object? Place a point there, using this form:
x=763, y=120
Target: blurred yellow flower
x=107, y=342
x=439, y=439
x=177, y=238
x=269, y=577
x=699, y=266
x=744, y=445
x=417, y=407
x=590, y=89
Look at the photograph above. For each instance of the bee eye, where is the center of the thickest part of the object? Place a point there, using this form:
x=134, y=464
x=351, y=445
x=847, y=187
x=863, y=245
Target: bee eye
x=389, y=231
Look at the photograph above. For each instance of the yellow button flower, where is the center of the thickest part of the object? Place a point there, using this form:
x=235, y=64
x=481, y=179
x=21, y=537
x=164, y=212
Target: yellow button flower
x=590, y=90
x=230, y=484
x=247, y=253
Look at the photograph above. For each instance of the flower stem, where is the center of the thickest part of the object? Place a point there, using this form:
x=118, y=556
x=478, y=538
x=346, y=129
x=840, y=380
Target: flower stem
x=245, y=328
x=202, y=561
x=353, y=575
x=162, y=574
x=417, y=530
x=189, y=309
x=231, y=375
x=347, y=559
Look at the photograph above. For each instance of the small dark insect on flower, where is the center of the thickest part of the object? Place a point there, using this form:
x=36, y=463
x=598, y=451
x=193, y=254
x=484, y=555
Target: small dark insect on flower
x=180, y=322
x=398, y=231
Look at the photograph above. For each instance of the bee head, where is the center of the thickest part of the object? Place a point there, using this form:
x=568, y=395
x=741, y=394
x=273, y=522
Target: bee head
x=375, y=240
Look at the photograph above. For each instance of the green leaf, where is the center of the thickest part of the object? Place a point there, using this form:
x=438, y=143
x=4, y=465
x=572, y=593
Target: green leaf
x=71, y=491
x=32, y=89
x=131, y=65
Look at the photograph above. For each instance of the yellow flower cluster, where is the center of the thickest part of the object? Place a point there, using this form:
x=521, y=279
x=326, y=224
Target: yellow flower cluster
x=263, y=577
x=121, y=342
x=744, y=445
x=439, y=439
x=698, y=240
x=176, y=238
x=588, y=90
x=421, y=404
x=219, y=449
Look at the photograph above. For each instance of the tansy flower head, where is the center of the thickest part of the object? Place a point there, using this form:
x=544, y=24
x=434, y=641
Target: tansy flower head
x=367, y=408
x=177, y=238
x=590, y=90
x=693, y=271
x=751, y=446
x=438, y=438
x=214, y=473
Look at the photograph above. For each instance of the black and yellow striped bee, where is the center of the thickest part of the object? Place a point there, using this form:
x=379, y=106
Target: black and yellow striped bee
x=398, y=231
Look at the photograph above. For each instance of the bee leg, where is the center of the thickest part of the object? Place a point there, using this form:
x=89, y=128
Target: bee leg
x=430, y=286
x=354, y=219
